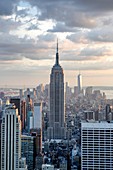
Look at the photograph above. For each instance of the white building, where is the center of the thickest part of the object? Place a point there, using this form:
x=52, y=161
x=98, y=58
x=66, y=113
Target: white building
x=37, y=115
x=10, y=139
x=96, y=146
x=31, y=126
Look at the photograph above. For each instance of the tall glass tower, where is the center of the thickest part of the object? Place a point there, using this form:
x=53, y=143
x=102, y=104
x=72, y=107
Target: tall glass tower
x=79, y=83
x=56, y=128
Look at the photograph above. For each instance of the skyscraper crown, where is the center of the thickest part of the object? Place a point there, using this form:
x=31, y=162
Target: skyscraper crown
x=57, y=66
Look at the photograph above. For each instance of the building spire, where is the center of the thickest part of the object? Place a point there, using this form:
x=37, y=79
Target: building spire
x=57, y=45
x=57, y=55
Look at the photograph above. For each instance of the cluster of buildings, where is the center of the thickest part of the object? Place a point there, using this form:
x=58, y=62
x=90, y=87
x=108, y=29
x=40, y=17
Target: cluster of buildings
x=42, y=130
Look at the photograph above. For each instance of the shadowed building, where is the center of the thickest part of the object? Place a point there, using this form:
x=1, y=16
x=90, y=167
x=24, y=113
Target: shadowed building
x=37, y=134
x=28, y=150
x=23, y=114
x=56, y=128
x=0, y=134
x=16, y=102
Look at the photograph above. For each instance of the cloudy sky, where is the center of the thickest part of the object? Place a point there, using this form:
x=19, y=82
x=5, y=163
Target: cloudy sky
x=28, y=34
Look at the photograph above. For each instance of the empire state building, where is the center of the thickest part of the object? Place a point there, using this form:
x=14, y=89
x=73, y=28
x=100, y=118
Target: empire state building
x=56, y=129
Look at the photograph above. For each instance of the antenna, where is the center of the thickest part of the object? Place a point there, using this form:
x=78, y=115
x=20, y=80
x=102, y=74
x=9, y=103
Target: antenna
x=57, y=56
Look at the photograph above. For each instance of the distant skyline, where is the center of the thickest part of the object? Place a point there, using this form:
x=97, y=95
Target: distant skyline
x=28, y=35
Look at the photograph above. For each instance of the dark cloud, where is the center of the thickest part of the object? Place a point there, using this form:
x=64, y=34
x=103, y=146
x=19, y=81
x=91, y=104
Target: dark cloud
x=97, y=5
x=104, y=34
x=7, y=6
x=87, y=65
x=5, y=57
x=80, y=19
x=8, y=24
x=61, y=27
x=78, y=37
x=14, y=48
x=86, y=54
x=77, y=13
x=18, y=51
x=94, y=52
x=47, y=37
x=74, y=13
x=68, y=15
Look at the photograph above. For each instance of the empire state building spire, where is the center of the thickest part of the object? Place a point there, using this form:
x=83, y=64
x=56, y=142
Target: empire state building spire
x=57, y=55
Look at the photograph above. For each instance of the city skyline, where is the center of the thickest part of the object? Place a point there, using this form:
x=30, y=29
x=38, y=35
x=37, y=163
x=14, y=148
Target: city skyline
x=28, y=32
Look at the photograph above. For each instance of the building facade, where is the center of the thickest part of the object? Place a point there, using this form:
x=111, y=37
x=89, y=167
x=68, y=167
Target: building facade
x=23, y=114
x=96, y=146
x=28, y=150
x=10, y=139
x=37, y=115
x=56, y=128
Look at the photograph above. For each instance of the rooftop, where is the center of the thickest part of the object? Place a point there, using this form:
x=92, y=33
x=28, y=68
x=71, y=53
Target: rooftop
x=97, y=124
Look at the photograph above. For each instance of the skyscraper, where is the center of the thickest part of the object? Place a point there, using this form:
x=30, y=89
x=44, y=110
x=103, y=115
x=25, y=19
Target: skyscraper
x=10, y=139
x=108, y=111
x=56, y=128
x=28, y=150
x=79, y=83
x=16, y=102
x=0, y=134
x=23, y=114
x=37, y=115
x=96, y=145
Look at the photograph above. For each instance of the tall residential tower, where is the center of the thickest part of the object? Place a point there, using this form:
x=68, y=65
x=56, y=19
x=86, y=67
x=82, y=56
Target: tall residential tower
x=10, y=139
x=56, y=128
